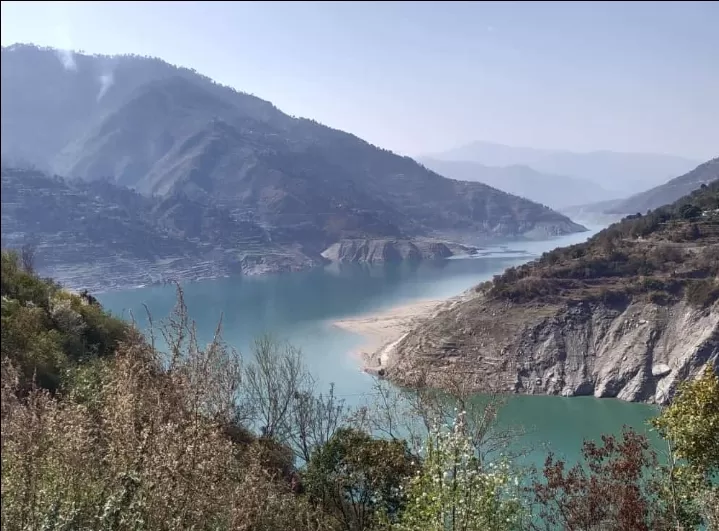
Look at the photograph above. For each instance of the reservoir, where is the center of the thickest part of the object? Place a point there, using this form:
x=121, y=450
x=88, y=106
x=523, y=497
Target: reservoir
x=301, y=307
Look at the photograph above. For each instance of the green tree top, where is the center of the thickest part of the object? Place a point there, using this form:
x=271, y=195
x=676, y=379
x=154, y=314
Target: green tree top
x=691, y=423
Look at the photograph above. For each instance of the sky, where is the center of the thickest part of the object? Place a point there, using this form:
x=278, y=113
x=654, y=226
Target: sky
x=424, y=77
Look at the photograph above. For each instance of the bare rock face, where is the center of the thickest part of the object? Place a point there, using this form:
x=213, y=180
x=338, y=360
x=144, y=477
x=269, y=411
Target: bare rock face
x=639, y=351
x=392, y=250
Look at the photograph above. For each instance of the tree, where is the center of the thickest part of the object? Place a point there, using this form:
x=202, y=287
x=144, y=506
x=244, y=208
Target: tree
x=454, y=491
x=616, y=493
x=691, y=423
x=689, y=211
x=275, y=380
x=691, y=427
x=27, y=257
x=315, y=419
x=357, y=478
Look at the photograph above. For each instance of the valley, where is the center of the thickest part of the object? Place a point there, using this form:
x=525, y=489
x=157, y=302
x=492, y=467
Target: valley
x=358, y=266
x=225, y=175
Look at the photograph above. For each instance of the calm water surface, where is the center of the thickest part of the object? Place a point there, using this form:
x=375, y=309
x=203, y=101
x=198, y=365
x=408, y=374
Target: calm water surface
x=300, y=307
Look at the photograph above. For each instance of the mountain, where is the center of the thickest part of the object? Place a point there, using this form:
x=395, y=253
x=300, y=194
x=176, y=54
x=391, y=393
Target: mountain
x=606, y=212
x=668, y=192
x=97, y=235
x=594, y=213
x=163, y=130
x=556, y=191
x=630, y=313
x=621, y=173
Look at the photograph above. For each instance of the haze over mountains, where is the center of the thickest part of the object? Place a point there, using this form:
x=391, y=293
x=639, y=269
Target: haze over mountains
x=622, y=174
x=608, y=211
x=169, y=132
x=555, y=191
x=668, y=192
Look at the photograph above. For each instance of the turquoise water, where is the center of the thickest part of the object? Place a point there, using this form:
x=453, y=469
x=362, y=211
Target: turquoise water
x=300, y=307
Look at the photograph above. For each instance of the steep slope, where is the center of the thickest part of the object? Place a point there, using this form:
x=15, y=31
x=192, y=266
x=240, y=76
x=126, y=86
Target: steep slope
x=623, y=173
x=100, y=236
x=668, y=192
x=629, y=314
x=556, y=191
x=50, y=99
x=162, y=130
x=391, y=250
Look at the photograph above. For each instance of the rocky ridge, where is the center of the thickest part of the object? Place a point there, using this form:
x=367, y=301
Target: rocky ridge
x=639, y=352
x=629, y=314
x=393, y=250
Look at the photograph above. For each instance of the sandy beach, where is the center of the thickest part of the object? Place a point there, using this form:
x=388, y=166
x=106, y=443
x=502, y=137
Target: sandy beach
x=384, y=328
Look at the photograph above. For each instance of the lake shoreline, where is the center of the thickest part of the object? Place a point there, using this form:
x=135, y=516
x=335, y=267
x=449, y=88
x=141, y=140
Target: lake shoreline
x=381, y=330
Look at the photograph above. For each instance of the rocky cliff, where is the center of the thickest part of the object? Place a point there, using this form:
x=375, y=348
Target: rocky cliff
x=629, y=314
x=392, y=250
x=637, y=352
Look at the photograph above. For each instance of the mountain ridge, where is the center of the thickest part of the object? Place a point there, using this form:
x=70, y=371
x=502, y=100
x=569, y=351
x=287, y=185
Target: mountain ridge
x=623, y=173
x=161, y=130
x=556, y=191
x=631, y=313
x=670, y=191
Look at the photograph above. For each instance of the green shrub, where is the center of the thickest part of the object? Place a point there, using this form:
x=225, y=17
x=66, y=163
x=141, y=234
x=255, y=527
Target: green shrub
x=46, y=330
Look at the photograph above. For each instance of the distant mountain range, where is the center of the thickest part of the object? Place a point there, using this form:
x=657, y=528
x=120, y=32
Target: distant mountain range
x=608, y=211
x=555, y=191
x=668, y=192
x=621, y=173
x=175, y=135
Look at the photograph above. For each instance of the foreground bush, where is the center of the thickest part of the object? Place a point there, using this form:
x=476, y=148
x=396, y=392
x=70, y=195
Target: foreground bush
x=150, y=451
x=46, y=330
x=99, y=430
x=454, y=491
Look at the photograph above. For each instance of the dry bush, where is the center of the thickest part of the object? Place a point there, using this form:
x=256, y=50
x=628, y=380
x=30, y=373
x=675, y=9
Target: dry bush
x=150, y=451
x=156, y=440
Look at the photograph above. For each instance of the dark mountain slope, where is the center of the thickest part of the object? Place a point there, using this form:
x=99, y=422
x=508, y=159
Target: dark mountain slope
x=99, y=235
x=46, y=106
x=162, y=130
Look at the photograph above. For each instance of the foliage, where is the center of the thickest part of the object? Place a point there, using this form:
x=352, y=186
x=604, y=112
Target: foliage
x=45, y=330
x=689, y=211
x=453, y=491
x=691, y=423
x=668, y=251
x=358, y=478
x=101, y=430
x=141, y=442
x=612, y=492
x=703, y=292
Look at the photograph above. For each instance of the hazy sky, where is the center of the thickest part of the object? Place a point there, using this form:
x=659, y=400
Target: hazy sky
x=422, y=77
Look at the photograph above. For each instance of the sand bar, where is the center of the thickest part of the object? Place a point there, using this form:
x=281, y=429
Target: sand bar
x=383, y=328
